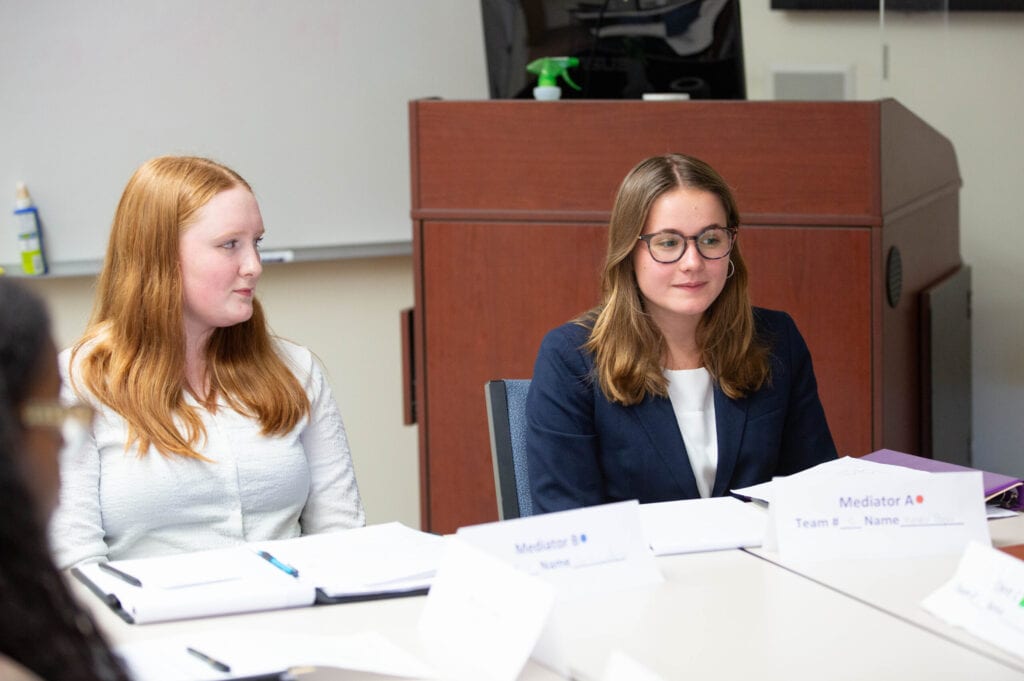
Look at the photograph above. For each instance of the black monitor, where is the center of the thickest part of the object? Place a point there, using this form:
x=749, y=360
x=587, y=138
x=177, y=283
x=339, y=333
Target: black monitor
x=625, y=48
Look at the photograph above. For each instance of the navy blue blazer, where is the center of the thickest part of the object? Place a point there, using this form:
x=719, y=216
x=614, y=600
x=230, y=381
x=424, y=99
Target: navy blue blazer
x=583, y=450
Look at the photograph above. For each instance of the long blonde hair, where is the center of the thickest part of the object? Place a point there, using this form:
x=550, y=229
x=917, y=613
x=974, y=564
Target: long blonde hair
x=627, y=345
x=133, y=351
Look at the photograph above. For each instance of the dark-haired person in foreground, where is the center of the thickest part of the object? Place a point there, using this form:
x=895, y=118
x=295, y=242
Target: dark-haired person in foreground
x=43, y=632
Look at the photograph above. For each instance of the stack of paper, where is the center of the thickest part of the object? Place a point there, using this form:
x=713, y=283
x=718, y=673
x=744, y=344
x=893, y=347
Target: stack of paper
x=371, y=562
x=388, y=559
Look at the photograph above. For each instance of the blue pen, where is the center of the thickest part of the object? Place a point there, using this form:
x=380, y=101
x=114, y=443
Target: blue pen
x=278, y=564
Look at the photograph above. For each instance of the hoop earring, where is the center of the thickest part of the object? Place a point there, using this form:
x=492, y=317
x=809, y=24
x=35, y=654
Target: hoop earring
x=732, y=269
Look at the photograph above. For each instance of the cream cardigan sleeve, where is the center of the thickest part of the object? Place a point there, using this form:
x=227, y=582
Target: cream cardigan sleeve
x=116, y=504
x=76, y=530
x=334, y=502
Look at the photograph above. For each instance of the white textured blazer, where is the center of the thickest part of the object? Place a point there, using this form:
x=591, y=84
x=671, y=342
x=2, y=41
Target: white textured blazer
x=116, y=504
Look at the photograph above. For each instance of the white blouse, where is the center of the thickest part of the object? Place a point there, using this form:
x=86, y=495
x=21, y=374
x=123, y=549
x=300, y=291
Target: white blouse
x=116, y=504
x=693, y=401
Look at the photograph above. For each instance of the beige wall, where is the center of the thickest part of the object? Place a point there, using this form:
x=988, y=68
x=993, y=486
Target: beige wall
x=961, y=74
x=347, y=312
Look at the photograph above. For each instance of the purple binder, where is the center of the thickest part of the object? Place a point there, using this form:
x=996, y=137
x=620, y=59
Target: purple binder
x=1000, y=489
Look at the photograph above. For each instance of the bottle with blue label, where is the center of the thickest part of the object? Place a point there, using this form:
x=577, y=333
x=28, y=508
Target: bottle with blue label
x=30, y=237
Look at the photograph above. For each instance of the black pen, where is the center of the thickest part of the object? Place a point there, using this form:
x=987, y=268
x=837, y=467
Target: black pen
x=124, y=576
x=216, y=664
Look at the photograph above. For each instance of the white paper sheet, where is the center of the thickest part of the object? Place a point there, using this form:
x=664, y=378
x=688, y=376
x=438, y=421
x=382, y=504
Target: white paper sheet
x=191, y=569
x=385, y=557
x=847, y=466
x=483, y=617
x=622, y=667
x=256, y=585
x=261, y=652
x=694, y=525
x=985, y=597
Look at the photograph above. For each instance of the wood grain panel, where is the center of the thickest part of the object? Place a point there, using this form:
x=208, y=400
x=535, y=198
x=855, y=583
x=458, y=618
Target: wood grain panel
x=819, y=277
x=572, y=155
x=494, y=291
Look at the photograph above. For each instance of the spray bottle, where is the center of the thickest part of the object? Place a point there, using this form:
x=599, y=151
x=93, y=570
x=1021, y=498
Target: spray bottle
x=30, y=239
x=548, y=69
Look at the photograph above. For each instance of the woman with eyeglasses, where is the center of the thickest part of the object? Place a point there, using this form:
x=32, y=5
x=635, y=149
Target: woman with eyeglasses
x=673, y=387
x=43, y=633
x=210, y=430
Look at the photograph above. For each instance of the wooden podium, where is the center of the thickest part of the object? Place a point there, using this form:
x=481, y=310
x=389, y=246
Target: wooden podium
x=848, y=209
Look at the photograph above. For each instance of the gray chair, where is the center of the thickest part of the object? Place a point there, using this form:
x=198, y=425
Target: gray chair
x=506, y=420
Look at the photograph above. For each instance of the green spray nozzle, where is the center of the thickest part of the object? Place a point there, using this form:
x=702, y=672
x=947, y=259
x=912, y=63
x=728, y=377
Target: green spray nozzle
x=548, y=69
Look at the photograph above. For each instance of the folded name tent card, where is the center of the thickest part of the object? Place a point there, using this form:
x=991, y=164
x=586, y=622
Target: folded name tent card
x=483, y=616
x=691, y=525
x=582, y=552
x=843, y=466
x=984, y=597
x=879, y=511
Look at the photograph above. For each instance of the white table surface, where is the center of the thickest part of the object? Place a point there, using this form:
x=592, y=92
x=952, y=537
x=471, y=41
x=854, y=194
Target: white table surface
x=723, y=615
x=898, y=585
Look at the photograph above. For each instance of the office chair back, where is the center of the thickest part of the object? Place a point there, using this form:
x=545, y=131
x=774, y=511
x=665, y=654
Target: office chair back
x=506, y=419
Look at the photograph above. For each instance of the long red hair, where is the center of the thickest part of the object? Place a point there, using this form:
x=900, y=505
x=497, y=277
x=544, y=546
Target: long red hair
x=133, y=352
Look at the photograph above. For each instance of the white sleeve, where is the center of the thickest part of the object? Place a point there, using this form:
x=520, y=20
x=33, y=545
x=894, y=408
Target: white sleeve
x=333, y=502
x=76, y=529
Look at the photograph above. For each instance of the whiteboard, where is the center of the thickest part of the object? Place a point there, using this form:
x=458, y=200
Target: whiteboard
x=306, y=99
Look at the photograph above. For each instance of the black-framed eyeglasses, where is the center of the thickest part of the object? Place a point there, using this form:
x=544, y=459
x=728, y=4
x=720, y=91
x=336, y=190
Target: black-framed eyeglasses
x=667, y=246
